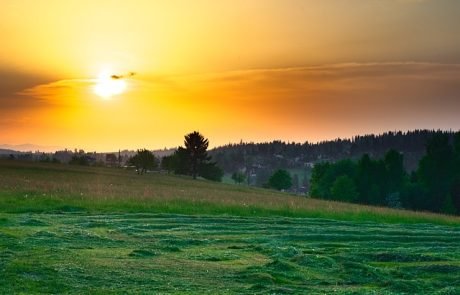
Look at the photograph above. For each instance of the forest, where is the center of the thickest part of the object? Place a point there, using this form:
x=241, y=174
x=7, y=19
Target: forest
x=417, y=170
x=260, y=160
x=434, y=186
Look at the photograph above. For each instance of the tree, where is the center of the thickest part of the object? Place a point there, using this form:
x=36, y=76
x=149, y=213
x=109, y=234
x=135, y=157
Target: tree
x=448, y=206
x=143, y=161
x=181, y=161
x=262, y=176
x=79, y=159
x=111, y=160
x=211, y=171
x=455, y=189
x=455, y=194
x=238, y=177
x=318, y=185
x=325, y=174
x=367, y=186
x=167, y=163
x=196, y=146
x=436, y=171
x=193, y=159
x=177, y=162
x=280, y=180
x=457, y=145
x=396, y=174
x=413, y=195
x=344, y=189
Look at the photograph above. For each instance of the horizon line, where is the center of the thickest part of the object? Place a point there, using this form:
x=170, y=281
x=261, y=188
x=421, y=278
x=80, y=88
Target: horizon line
x=59, y=148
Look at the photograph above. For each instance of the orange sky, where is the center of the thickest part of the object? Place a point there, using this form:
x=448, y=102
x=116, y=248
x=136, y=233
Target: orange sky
x=252, y=70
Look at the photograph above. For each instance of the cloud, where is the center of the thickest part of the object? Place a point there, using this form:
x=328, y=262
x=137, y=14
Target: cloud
x=349, y=92
x=61, y=92
x=13, y=81
x=79, y=91
x=369, y=79
x=313, y=102
x=396, y=95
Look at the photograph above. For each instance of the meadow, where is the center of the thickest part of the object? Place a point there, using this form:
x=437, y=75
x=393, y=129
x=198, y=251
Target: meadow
x=71, y=229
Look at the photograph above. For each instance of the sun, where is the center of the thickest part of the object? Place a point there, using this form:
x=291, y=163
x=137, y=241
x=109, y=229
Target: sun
x=108, y=85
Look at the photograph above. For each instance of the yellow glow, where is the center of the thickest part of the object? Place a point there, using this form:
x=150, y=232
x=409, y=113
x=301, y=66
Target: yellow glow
x=252, y=70
x=107, y=86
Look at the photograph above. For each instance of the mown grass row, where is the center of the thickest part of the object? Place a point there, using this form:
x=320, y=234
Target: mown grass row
x=164, y=253
x=36, y=187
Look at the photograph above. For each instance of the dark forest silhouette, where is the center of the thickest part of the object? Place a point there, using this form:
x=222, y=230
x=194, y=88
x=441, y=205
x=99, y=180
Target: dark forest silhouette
x=418, y=170
x=434, y=186
x=278, y=154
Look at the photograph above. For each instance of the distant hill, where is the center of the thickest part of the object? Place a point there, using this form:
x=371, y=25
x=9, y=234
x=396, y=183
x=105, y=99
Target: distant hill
x=260, y=159
x=7, y=152
x=27, y=147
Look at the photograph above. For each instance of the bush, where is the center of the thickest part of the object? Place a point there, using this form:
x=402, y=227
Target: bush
x=280, y=180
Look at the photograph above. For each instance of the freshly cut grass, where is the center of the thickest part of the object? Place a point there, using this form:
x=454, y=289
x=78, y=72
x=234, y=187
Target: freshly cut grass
x=38, y=187
x=144, y=253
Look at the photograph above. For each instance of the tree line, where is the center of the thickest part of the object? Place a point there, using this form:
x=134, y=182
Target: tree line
x=290, y=155
x=192, y=159
x=433, y=186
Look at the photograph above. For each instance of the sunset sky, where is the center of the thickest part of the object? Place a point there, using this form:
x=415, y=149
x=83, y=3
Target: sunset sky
x=109, y=75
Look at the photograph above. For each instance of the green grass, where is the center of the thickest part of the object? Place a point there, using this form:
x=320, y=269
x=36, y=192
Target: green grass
x=34, y=187
x=85, y=230
x=167, y=253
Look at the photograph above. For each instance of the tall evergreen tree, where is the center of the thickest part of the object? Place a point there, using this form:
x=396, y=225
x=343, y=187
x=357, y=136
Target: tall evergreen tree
x=196, y=146
x=435, y=171
x=455, y=189
x=395, y=173
x=369, y=191
x=193, y=159
x=319, y=188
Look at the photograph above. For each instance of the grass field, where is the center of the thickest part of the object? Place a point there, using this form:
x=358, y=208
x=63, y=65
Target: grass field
x=67, y=229
x=36, y=187
x=142, y=253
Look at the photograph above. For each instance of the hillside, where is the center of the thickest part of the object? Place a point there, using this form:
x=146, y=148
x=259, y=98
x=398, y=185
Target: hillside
x=71, y=229
x=43, y=187
x=261, y=159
